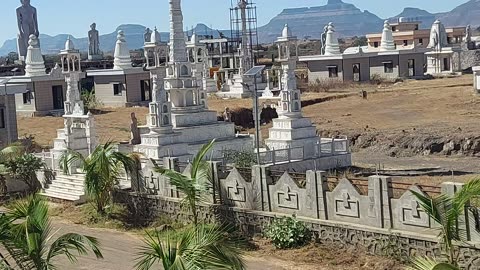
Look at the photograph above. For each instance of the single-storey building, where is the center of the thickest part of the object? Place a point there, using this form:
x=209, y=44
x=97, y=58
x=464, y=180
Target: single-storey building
x=122, y=87
x=8, y=116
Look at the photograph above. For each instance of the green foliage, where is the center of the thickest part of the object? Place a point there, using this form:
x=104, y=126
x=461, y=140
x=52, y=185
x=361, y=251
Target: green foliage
x=447, y=212
x=429, y=264
x=195, y=248
x=24, y=168
x=90, y=101
x=241, y=159
x=288, y=232
x=360, y=41
x=25, y=232
x=103, y=169
x=194, y=186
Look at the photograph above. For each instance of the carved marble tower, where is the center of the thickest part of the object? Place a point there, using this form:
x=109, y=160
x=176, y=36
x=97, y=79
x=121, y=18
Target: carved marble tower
x=160, y=141
x=291, y=129
x=190, y=114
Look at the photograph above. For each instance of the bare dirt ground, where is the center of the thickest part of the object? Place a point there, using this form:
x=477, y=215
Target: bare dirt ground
x=405, y=125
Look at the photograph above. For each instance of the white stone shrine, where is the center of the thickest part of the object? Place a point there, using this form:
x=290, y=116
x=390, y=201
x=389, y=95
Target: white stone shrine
x=291, y=129
x=331, y=44
x=387, y=44
x=122, y=59
x=440, y=59
x=34, y=64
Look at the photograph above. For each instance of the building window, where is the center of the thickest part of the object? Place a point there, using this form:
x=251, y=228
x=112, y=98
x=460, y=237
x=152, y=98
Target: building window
x=117, y=89
x=27, y=97
x=394, y=28
x=388, y=67
x=405, y=42
x=375, y=44
x=2, y=118
x=420, y=41
x=417, y=27
x=333, y=72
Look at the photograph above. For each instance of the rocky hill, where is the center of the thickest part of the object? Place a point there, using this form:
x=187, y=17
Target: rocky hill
x=348, y=19
x=468, y=13
x=417, y=14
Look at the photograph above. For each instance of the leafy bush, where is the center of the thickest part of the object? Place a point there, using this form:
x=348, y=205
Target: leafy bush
x=241, y=159
x=24, y=168
x=288, y=232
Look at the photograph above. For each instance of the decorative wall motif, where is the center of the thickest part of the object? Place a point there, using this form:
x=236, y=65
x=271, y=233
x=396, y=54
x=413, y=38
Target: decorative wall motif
x=407, y=213
x=235, y=191
x=321, y=208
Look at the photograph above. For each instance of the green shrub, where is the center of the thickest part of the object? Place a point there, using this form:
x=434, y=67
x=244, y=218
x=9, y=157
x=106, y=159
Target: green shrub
x=241, y=159
x=288, y=232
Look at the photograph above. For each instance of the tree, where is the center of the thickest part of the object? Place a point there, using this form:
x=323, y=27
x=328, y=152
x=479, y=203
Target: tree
x=197, y=248
x=447, y=212
x=193, y=186
x=103, y=168
x=25, y=232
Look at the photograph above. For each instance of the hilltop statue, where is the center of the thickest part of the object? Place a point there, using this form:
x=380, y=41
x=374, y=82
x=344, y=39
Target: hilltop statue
x=147, y=36
x=27, y=25
x=323, y=40
x=93, y=42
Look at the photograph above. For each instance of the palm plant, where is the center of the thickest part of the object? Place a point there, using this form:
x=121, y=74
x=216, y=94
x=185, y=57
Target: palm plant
x=195, y=185
x=25, y=232
x=429, y=264
x=103, y=168
x=196, y=248
x=447, y=211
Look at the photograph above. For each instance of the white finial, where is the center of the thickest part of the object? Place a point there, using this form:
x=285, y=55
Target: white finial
x=286, y=33
x=69, y=44
x=155, y=37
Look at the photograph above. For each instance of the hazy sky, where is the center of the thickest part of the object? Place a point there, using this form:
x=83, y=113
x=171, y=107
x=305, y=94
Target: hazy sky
x=75, y=16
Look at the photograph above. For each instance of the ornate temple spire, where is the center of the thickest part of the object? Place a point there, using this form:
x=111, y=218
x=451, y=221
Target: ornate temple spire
x=388, y=43
x=332, y=47
x=178, y=48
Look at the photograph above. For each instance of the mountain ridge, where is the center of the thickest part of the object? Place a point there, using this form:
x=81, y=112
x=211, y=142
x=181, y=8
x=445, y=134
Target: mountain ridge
x=348, y=19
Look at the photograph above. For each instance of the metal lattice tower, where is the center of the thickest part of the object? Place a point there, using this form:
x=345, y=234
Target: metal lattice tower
x=243, y=25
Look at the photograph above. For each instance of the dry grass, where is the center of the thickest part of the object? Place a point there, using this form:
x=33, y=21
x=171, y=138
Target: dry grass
x=323, y=257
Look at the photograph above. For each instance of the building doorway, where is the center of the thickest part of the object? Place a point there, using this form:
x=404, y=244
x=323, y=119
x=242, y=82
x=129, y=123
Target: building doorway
x=411, y=67
x=57, y=95
x=446, y=64
x=356, y=72
x=146, y=90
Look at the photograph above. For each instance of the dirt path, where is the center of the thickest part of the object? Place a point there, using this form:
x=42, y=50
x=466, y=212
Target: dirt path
x=119, y=249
